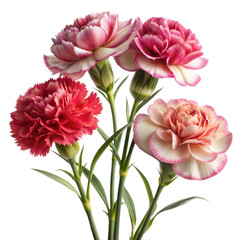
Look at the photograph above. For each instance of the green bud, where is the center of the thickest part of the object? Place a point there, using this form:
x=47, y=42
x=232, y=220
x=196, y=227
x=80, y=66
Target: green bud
x=68, y=152
x=102, y=75
x=167, y=175
x=142, y=85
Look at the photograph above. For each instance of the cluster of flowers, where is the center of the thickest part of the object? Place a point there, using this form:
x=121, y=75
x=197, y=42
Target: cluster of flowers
x=192, y=138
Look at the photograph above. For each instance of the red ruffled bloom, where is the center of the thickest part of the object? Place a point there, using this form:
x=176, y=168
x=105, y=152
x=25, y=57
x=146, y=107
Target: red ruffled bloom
x=55, y=111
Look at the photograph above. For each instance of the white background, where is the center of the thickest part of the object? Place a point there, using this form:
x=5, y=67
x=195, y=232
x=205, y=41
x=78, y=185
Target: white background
x=35, y=207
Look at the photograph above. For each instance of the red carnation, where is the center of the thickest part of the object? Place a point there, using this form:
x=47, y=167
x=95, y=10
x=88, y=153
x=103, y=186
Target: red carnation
x=55, y=111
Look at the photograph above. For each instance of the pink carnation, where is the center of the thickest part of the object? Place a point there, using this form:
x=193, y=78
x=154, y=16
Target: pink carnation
x=79, y=47
x=164, y=48
x=55, y=111
x=193, y=139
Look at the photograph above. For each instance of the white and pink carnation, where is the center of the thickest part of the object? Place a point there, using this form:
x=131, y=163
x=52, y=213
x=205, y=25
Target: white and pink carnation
x=164, y=48
x=192, y=138
x=80, y=46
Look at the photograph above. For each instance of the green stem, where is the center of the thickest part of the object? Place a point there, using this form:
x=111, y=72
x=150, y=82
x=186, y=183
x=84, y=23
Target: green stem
x=131, y=118
x=113, y=169
x=123, y=172
x=84, y=199
x=149, y=213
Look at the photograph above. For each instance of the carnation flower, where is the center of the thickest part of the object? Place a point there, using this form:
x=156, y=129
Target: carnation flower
x=164, y=48
x=55, y=111
x=193, y=139
x=79, y=47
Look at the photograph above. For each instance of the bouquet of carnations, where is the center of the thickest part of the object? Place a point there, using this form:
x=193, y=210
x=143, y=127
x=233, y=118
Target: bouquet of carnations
x=186, y=139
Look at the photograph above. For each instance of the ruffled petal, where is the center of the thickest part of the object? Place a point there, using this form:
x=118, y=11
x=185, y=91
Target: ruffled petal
x=168, y=136
x=103, y=53
x=143, y=127
x=189, y=131
x=183, y=76
x=157, y=110
x=196, y=170
x=164, y=152
x=91, y=38
x=176, y=54
x=190, y=57
x=81, y=65
x=175, y=103
x=54, y=64
x=121, y=36
x=126, y=62
x=197, y=63
x=157, y=69
x=202, y=153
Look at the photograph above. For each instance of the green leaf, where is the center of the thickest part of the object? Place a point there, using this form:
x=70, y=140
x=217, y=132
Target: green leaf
x=131, y=207
x=127, y=110
x=97, y=185
x=60, y=156
x=119, y=86
x=58, y=179
x=100, y=152
x=102, y=93
x=148, y=99
x=68, y=173
x=80, y=162
x=105, y=137
x=174, y=205
x=116, y=156
x=147, y=186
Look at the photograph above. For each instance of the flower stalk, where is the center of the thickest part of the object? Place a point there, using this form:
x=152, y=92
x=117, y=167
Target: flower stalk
x=113, y=169
x=85, y=201
x=124, y=170
x=150, y=212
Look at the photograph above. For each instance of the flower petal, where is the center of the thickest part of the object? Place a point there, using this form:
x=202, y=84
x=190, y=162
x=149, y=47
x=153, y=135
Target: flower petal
x=164, y=152
x=168, y=136
x=103, y=53
x=183, y=76
x=143, y=127
x=223, y=138
x=91, y=38
x=82, y=65
x=54, y=64
x=197, y=63
x=126, y=62
x=176, y=54
x=125, y=36
x=196, y=170
x=202, y=153
x=157, y=110
x=157, y=69
x=190, y=131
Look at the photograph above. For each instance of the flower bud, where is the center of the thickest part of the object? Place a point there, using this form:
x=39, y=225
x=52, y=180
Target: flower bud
x=167, y=175
x=68, y=152
x=142, y=85
x=102, y=75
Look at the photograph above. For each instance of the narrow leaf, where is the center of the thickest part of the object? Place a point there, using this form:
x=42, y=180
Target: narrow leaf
x=130, y=206
x=102, y=93
x=68, y=173
x=80, y=162
x=119, y=86
x=100, y=152
x=97, y=185
x=148, y=99
x=127, y=110
x=58, y=179
x=147, y=186
x=105, y=137
x=175, y=205
x=60, y=156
